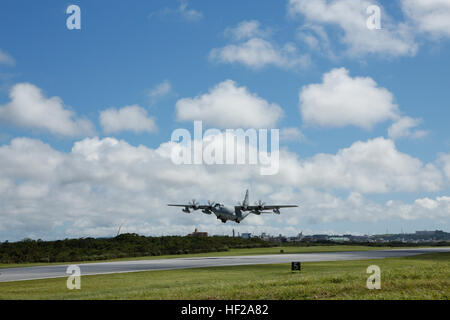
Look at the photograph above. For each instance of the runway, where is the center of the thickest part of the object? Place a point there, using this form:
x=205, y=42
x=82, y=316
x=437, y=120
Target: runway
x=56, y=271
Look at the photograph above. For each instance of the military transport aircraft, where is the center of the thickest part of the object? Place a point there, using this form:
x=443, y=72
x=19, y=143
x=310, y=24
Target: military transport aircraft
x=236, y=213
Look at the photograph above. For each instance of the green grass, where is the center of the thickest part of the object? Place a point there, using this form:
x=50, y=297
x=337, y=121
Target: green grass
x=231, y=252
x=417, y=277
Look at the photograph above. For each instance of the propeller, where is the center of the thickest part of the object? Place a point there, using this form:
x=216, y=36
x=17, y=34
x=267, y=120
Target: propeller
x=260, y=204
x=194, y=204
x=211, y=203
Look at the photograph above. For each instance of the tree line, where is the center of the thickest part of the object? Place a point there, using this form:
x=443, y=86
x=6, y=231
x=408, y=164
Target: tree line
x=122, y=246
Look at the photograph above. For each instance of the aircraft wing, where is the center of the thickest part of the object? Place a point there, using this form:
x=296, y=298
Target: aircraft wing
x=277, y=207
x=265, y=207
x=190, y=206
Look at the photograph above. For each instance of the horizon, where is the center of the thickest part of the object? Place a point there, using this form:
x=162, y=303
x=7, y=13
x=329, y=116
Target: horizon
x=239, y=235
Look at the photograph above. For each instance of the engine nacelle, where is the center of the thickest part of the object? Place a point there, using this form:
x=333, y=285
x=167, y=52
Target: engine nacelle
x=186, y=210
x=276, y=211
x=206, y=211
x=256, y=212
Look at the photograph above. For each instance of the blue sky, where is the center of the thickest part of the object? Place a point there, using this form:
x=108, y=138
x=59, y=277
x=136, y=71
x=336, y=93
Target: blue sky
x=124, y=52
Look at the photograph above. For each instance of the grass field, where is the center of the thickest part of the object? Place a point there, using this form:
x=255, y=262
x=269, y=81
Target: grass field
x=417, y=277
x=231, y=252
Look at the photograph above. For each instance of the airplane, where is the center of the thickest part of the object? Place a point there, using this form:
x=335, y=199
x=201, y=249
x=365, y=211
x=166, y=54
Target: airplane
x=236, y=213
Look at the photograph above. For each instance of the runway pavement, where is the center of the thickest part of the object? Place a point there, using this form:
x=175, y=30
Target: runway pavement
x=56, y=271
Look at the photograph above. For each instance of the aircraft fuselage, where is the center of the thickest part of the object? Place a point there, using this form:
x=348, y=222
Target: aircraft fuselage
x=225, y=213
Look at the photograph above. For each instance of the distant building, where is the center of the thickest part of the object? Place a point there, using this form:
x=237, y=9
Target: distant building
x=298, y=238
x=417, y=237
x=198, y=234
x=320, y=237
x=339, y=239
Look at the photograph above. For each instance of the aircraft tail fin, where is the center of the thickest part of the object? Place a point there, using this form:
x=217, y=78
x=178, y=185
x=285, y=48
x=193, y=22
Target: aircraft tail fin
x=245, y=202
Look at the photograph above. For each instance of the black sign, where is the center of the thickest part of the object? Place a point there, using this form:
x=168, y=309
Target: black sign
x=296, y=266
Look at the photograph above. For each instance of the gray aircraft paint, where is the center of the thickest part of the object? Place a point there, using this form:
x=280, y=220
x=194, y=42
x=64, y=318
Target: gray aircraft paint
x=236, y=213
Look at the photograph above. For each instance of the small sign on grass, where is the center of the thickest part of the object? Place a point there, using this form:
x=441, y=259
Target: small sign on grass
x=296, y=266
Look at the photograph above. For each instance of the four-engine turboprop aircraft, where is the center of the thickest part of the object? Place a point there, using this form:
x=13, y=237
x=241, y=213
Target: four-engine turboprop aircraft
x=236, y=213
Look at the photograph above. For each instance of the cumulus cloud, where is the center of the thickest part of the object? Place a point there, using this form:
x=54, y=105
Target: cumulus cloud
x=102, y=183
x=97, y=185
x=323, y=207
x=429, y=16
x=341, y=100
x=257, y=53
x=350, y=16
x=229, y=106
x=29, y=108
x=373, y=166
x=252, y=49
x=402, y=128
x=438, y=208
x=129, y=118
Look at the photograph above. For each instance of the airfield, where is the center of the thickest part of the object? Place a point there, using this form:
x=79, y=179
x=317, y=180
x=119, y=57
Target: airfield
x=56, y=271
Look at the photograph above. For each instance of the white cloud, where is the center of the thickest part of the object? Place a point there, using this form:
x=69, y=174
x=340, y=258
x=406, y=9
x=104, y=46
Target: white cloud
x=323, y=207
x=438, y=208
x=430, y=16
x=374, y=166
x=257, y=53
x=129, y=118
x=102, y=183
x=229, y=106
x=29, y=159
x=402, y=129
x=247, y=29
x=29, y=108
x=427, y=203
x=254, y=51
x=162, y=89
x=394, y=39
x=341, y=100
x=5, y=58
